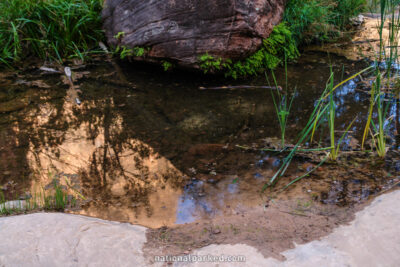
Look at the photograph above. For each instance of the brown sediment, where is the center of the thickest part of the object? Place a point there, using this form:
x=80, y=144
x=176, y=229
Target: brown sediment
x=271, y=228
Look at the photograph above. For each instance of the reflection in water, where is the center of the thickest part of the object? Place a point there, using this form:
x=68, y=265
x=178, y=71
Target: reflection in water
x=163, y=152
x=114, y=176
x=186, y=209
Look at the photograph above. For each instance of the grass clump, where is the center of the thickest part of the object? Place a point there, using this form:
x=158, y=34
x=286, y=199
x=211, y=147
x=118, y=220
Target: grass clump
x=55, y=199
x=320, y=20
x=49, y=29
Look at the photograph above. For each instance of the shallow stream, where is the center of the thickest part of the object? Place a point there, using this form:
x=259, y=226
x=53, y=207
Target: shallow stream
x=156, y=150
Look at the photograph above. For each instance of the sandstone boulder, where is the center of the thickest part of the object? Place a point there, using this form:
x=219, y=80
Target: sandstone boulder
x=180, y=31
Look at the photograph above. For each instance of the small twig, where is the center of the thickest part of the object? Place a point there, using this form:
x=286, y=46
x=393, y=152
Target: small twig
x=296, y=214
x=286, y=149
x=229, y=87
x=388, y=189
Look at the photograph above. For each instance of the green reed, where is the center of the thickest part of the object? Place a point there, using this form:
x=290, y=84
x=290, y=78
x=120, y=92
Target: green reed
x=282, y=103
x=56, y=200
x=324, y=110
x=388, y=57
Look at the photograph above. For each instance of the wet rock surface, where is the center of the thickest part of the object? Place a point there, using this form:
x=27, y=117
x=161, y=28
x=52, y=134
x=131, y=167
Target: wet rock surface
x=182, y=30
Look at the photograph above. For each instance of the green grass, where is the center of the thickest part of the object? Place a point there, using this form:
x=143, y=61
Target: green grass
x=320, y=20
x=49, y=29
x=55, y=200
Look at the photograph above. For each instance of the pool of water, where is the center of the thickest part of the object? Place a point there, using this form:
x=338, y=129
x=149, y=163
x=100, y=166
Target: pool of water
x=155, y=150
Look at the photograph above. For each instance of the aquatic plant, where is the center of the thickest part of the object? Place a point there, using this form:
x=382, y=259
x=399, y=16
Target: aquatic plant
x=331, y=114
x=322, y=109
x=316, y=116
x=387, y=8
x=282, y=103
x=376, y=99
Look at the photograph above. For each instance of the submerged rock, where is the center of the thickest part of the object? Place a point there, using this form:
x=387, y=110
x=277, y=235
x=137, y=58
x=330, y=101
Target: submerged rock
x=181, y=31
x=14, y=105
x=3, y=96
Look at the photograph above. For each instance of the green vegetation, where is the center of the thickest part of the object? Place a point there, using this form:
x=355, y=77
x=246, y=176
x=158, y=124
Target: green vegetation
x=210, y=63
x=331, y=115
x=124, y=52
x=49, y=29
x=387, y=54
x=282, y=104
x=279, y=45
x=62, y=29
x=56, y=199
x=275, y=48
x=319, y=20
x=304, y=22
x=387, y=57
x=324, y=111
x=167, y=65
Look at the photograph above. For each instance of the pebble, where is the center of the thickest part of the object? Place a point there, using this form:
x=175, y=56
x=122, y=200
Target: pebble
x=212, y=181
x=216, y=231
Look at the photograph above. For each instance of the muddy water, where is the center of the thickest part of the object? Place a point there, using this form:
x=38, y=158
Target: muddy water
x=158, y=151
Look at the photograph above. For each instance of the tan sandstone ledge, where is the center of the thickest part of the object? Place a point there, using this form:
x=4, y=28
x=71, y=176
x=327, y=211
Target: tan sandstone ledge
x=56, y=239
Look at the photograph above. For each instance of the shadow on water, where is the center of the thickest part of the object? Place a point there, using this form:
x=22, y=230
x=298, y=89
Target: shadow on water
x=160, y=151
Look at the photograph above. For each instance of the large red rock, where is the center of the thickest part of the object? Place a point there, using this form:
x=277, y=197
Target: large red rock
x=182, y=30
